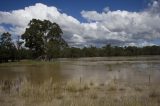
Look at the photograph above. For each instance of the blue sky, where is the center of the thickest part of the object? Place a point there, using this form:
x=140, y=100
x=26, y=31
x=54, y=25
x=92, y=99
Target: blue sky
x=88, y=22
x=74, y=7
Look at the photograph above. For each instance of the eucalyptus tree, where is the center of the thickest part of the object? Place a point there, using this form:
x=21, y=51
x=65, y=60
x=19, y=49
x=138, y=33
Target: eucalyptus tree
x=44, y=38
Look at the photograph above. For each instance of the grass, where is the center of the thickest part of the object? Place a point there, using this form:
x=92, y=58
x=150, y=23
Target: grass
x=154, y=94
x=27, y=62
x=75, y=93
x=138, y=89
x=73, y=86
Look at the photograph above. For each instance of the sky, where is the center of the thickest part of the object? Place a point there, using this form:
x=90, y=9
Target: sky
x=88, y=22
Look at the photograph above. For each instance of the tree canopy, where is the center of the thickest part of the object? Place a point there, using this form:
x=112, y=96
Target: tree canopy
x=7, y=48
x=43, y=38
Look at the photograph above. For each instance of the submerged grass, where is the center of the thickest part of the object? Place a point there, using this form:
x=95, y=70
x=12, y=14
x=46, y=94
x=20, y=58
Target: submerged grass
x=27, y=62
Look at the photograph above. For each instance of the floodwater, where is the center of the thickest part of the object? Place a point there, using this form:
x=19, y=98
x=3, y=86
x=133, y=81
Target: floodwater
x=132, y=70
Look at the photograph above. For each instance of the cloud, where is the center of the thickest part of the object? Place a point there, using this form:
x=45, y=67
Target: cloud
x=115, y=27
x=106, y=9
x=19, y=19
x=2, y=29
x=128, y=26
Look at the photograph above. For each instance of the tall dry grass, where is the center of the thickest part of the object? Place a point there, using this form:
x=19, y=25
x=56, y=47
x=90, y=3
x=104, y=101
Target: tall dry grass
x=77, y=93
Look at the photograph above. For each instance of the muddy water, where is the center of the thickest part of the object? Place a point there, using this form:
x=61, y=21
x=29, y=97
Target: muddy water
x=132, y=70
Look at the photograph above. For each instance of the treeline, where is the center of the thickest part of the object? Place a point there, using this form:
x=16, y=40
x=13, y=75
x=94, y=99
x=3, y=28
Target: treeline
x=43, y=40
x=109, y=50
x=10, y=51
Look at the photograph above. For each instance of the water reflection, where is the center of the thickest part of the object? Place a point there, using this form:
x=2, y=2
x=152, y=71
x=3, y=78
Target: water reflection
x=133, y=70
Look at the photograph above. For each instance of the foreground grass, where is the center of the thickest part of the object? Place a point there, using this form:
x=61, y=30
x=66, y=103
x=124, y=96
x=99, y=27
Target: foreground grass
x=76, y=93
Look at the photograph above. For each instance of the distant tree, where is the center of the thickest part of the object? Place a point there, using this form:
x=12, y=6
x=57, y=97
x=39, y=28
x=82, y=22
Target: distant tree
x=44, y=38
x=19, y=48
x=19, y=43
x=107, y=50
x=5, y=40
x=7, y=48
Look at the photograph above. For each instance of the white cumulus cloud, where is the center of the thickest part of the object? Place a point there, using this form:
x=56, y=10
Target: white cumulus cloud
x=115, y=27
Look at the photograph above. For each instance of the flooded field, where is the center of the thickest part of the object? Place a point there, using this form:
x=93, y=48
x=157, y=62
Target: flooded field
x=133, y=81
x=134, y=70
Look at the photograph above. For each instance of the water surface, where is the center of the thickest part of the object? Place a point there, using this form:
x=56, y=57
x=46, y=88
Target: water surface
x=132, y=70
